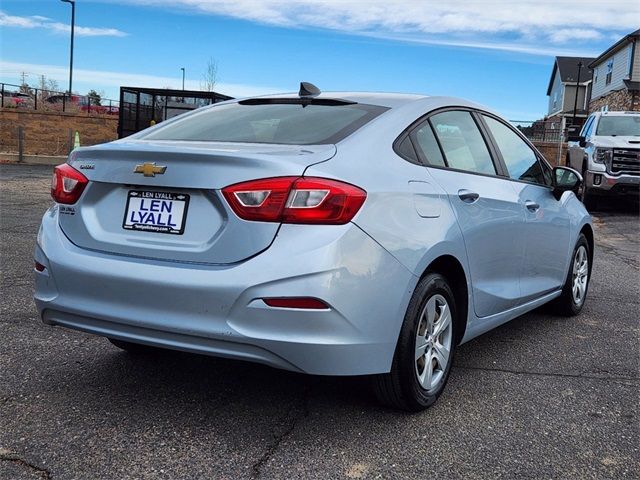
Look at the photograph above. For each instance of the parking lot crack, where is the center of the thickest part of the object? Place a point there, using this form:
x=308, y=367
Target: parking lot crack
x=8, y=456
x=293, y=416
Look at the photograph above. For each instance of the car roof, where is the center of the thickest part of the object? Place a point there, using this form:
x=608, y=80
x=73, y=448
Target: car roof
x=616, y=114
x=389, y=100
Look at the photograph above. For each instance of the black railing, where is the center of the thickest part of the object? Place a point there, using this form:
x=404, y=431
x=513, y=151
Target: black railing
x=30, y=98
x=540, y=131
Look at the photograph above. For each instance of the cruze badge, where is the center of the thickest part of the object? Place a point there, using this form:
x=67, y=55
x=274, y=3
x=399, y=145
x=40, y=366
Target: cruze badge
x=149, y=169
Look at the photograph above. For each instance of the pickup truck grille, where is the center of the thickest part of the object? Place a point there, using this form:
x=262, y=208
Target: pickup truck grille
x=625, y=161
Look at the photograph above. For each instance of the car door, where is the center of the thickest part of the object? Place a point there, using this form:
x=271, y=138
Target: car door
x=575, y=153
x=547, y=228
x=486, y=206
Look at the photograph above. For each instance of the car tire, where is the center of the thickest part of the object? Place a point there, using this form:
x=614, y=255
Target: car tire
x=576, y=286
x=134, y=348
x=424, y=352
x=589, y=200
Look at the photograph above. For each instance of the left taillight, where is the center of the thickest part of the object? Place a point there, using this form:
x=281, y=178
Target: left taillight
x=67, y=184
x=309, y=200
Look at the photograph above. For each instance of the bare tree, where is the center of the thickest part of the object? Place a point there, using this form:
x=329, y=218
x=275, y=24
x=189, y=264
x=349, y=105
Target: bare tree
x=210, y=76
x=48, y=87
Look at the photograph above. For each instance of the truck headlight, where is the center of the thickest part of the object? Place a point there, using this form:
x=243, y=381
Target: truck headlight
x=603, y=155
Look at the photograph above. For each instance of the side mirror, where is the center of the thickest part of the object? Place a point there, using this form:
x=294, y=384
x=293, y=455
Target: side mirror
x=577, y=138
x=565, y=179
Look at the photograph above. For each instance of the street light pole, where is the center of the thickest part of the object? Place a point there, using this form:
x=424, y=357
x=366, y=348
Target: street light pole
x=575, y=103
x=182, y=77
x=73, y=24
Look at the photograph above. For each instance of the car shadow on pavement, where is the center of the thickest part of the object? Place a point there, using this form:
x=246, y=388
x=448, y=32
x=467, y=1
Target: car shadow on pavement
x=172, y=381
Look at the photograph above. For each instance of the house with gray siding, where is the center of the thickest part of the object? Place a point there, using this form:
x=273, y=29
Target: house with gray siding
x=564, y=85
x=616, y=76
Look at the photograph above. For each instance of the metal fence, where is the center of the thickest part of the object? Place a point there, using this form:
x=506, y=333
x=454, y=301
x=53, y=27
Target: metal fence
x=539, y=131
x=28, y=98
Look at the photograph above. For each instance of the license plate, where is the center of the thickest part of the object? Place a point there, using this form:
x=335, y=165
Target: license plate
x=158, y=212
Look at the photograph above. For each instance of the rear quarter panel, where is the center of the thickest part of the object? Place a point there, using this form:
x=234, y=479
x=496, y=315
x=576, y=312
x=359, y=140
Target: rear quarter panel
x=406, y=211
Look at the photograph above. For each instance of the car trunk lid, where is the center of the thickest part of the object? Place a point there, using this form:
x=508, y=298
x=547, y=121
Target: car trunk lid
x=162, y=199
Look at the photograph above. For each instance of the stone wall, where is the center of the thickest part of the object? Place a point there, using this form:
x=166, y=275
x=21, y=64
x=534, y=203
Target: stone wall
x=550, y=151
x=52, y=133
x=620, y=100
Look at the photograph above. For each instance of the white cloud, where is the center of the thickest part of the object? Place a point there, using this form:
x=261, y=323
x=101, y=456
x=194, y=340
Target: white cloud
x=481, y=23
x=38, y=21
x=111, y=81
x=564, y=35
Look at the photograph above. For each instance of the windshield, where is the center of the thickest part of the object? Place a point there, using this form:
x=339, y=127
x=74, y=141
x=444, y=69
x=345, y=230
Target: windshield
x=627, y=125
x=277, y=123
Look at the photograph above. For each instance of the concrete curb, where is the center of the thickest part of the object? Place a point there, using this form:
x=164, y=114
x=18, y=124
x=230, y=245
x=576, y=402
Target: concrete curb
x=33, y=159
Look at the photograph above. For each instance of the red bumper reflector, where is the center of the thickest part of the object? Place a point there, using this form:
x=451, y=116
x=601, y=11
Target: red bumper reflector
x=40, y=267
x=296, y=302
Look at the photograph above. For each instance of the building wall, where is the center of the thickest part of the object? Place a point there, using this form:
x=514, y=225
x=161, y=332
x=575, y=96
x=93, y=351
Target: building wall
x=556, y=92
x=621, y=65
x=52, y=133
x=570, y=97
x=620, y=100
x=552, y=151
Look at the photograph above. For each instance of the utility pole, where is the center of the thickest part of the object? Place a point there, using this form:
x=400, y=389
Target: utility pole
x=73, y=24
x=182, y=68
x=575, y=103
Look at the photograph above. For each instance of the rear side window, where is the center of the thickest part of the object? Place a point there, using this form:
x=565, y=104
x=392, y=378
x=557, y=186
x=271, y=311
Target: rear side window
x=427, y=142
x=406, y=150
x=462, y=143
x=521, y=161
x=278, y=123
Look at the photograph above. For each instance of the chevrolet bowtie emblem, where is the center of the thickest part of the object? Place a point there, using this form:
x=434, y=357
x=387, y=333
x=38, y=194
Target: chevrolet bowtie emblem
x=149, y=169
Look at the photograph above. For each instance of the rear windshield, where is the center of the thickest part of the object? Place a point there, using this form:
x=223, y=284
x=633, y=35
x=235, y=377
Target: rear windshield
x=278, y=123
x=619, y=125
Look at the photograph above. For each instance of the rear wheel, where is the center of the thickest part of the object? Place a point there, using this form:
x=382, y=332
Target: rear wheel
x=134, y=348
x=574, y=292
x=424, y=353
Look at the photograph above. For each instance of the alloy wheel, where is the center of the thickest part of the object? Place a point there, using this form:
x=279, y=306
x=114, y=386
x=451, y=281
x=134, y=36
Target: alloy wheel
x=580, y=275
x=433, y=342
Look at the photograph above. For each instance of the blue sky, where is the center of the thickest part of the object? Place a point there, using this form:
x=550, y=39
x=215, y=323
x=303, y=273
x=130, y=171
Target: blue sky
x=496, y=53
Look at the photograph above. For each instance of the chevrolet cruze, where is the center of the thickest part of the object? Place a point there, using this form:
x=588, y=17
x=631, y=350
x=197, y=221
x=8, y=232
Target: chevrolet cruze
x=324, y=233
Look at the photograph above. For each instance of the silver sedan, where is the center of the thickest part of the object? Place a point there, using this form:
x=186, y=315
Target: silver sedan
x=325, y=233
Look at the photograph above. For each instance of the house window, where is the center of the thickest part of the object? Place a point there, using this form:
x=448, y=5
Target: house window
x=555, y=99
x=595, y=75
x=609, y=72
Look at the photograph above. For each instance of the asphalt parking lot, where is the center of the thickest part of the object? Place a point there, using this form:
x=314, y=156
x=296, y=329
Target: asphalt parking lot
x=542, y=396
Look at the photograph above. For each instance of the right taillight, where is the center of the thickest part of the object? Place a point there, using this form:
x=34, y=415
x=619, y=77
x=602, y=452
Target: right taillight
x=67, y=184
x=307, y=200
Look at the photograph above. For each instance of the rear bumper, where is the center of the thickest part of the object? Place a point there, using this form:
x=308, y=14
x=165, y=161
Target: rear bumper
x=604, y=183
x=217, y=310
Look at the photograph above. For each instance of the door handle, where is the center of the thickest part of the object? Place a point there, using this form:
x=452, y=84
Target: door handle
x=531, y=206
x=467, y=196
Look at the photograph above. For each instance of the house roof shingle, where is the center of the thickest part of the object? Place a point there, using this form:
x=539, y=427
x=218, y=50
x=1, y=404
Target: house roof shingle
x=568, y=69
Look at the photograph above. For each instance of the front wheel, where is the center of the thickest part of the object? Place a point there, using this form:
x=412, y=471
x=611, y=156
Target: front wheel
x=425, y=348
x=574, y=292
x=589, y=200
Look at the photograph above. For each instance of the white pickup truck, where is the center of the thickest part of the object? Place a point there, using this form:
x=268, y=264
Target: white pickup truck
x=607, y=152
